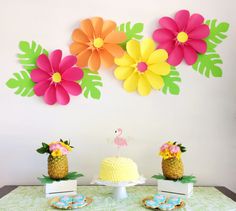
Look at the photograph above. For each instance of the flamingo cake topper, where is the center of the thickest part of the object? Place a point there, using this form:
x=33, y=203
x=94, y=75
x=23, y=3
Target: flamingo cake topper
x=119, y=140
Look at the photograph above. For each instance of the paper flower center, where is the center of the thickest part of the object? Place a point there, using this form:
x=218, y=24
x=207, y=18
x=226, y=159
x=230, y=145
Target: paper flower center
x=142, y=66
x=98, y=42
x=56, y=77
x=182, y=37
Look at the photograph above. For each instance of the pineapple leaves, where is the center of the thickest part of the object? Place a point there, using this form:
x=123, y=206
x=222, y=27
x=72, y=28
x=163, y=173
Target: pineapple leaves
x=132, y=32
x=171, y=82
x=90, y=84
x=43, y=149
x=29, y=54
x=22, y=83
x=69, y=176
x=208, y=63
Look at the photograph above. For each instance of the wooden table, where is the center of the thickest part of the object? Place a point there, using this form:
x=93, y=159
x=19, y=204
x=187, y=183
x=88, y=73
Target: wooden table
x=8, y=188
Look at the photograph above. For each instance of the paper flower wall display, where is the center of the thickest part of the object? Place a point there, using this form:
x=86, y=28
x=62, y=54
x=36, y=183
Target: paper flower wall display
x=142, y=67
x=97, y=42
x=56, y=78
x=182, y=37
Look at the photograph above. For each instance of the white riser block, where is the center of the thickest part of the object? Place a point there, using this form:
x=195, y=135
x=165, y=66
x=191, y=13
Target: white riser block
x=169, y=187
x=67, y=187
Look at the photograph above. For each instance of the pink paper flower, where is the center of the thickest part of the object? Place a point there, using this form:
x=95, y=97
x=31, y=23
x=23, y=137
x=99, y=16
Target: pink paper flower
x=182, y=37
x=174, y=149
x=55, y=78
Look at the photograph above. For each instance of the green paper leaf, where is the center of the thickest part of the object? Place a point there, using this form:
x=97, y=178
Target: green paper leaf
x=217, y=33
x=22, y=83
x=70, y=176
x=132, y=32
x=208, y=64
x=159, y=176
x=90, y=83
x=171, y=82
x=29, y=55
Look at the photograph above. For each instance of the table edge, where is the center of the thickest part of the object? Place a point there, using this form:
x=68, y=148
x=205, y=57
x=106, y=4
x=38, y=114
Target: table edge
x=8, y=188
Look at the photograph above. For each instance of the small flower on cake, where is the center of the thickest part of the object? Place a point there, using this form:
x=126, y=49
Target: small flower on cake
x=182, y=37
x=142, y=67
x=56, y=78
x=97, y=42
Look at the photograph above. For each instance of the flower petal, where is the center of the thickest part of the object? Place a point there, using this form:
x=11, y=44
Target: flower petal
x=62, y=96
x=147, y=47
x=121, y=73
x=176, y=56
x=182, y=18
x=157, y=56
x=55, y=59
x=67, y=62
x=41, y=87
x=200, y=32
x=125, y=60
x=77, y=48
x=133, y=49
x=50, y=95
x=73, y=74
x=198, y=45
x=108, y=27
x=115, y=37
x=131, y=83
x=114, y=49
x=168, y=23
x=156, y=81
x=97, y=23
x=83, y=57
x=79, y=36
x=94, y=61
x=38, y=75
x=144, y=87
x=162, y=68
x=72, y=87
x=163, y=35
x=168, y=46
x=195, y=20
x=190, y=55
x=43, y=63
x=87, y=28
x=106, y=58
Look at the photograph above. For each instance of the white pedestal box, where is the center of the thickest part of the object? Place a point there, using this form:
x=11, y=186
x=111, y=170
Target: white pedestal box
x=169, y=187
x=63, y=187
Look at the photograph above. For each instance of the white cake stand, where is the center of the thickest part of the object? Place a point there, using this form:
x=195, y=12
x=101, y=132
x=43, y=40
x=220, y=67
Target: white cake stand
x=119, y=191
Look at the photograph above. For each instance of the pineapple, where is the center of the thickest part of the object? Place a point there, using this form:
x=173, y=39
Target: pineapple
x=57, y=159
x=172, y=165
x=57, y=167
x=172, y=168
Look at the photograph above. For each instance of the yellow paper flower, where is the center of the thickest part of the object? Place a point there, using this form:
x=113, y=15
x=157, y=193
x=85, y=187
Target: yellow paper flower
x=142, y=67
x=56, y=153
x=66, y=146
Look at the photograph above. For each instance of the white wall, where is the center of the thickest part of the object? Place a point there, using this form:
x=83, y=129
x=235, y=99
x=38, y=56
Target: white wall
x=202, y=117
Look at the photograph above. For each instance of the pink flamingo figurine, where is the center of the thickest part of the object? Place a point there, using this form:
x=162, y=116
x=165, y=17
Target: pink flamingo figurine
x=119, y=141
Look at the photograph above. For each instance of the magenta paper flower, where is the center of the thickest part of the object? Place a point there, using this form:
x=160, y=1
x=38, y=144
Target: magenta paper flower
x=182, y=37
x=55, y=78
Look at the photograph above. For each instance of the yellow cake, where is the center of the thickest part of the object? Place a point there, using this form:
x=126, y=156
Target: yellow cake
x=118, y=169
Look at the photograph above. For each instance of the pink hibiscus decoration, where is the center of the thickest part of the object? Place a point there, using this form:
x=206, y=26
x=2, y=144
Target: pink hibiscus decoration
x=56, y=78
x=182, y=37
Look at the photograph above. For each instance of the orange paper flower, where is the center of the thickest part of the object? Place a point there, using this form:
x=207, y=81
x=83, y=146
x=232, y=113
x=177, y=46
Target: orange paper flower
x=96, y=42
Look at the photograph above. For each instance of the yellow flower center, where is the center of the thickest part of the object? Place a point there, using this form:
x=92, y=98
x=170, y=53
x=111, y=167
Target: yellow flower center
x=182, y=37
x=56, y=77
x=98, y=42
